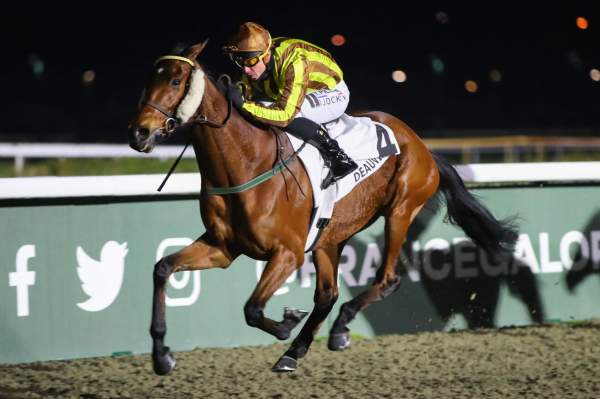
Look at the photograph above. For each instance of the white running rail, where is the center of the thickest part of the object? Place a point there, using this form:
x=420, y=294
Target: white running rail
x=189, y=183
x=21, y=151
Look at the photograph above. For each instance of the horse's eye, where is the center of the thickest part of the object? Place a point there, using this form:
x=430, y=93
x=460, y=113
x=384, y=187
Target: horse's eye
x=175, y=82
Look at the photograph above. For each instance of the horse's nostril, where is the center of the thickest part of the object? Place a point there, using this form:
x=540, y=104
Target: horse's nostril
x=142, y=132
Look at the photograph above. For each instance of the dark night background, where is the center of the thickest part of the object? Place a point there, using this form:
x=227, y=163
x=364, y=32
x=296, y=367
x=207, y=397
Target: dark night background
x=543, y=58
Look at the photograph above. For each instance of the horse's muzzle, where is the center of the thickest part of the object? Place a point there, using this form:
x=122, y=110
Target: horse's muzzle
x=140, y=139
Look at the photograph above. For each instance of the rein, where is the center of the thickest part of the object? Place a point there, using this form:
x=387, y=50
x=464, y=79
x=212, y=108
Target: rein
x=171, y=124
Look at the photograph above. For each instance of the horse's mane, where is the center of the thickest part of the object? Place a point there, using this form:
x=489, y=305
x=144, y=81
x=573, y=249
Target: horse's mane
x=223, y=90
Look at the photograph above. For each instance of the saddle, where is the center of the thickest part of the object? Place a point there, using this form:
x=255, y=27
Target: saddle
x=367, y=142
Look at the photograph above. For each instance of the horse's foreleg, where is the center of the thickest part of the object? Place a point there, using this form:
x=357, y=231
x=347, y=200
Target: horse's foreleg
x=196, y=256
x=277, y=270
x=326, y=293
x=386, y=281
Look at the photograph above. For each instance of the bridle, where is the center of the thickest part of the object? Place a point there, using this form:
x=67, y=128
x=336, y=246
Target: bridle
x=172, y=122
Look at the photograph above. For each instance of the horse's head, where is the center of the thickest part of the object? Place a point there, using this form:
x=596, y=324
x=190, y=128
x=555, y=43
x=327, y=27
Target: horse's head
x=171, y=98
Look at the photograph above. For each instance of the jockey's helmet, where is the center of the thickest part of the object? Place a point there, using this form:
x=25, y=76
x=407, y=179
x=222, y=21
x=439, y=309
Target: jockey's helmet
x=249, y=45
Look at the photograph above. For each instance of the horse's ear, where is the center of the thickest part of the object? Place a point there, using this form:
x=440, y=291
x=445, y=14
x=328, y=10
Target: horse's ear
x=196, y=49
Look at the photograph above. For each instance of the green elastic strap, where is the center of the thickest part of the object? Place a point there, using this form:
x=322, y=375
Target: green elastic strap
x=250, y=183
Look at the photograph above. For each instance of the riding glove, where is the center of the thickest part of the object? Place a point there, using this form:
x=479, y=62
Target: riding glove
x=234, y=94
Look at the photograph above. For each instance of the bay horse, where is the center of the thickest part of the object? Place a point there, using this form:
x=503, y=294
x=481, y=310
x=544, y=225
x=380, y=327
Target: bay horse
x=270, y=221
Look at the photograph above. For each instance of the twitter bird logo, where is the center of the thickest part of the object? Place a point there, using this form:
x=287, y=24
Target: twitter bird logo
x=101, y=280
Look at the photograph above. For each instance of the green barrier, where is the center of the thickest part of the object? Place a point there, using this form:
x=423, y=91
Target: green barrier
x=77, y=277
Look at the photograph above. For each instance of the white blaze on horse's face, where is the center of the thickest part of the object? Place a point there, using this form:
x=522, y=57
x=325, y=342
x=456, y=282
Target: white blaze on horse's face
x=190, y=103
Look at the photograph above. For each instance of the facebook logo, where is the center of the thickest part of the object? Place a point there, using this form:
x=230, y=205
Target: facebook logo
x=23, y=278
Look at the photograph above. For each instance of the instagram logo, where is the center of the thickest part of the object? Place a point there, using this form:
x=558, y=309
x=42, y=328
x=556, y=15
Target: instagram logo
x=180, y=281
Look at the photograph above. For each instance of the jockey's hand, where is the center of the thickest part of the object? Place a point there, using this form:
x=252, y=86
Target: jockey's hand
x=234, y=94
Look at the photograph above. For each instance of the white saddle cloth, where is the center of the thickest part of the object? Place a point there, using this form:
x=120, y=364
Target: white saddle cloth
x=368, y=143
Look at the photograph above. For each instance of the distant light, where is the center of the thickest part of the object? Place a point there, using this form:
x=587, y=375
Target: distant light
x=88, y=77
x=37, y=65
x=471, y=86
x=399, y=76
x=437, y=64
x=595, y=74
x=582, y=23
x=441, y=17
x=495, y=76
x=338, y=40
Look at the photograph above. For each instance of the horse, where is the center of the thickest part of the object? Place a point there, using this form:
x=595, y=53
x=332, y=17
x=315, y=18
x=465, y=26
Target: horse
x=270, y=221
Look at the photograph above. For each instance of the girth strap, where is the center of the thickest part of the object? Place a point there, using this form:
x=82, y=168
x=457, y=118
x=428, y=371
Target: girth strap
x=253, y=182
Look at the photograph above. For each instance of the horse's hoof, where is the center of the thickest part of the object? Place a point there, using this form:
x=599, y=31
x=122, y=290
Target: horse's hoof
x=295, y=315
x=163, y=363
x=339, y=341
x=285, y=364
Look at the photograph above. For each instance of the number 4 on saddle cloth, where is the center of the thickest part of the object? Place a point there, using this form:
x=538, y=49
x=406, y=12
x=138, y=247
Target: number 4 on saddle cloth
x=367, y=142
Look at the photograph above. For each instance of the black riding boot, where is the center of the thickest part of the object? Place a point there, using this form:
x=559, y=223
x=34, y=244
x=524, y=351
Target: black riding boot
x=339, y=164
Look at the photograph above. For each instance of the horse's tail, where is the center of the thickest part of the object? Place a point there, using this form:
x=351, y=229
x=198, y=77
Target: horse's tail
x=496, y=237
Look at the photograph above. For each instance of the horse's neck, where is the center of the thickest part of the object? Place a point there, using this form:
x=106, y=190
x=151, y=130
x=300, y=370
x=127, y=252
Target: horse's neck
x=234, y=154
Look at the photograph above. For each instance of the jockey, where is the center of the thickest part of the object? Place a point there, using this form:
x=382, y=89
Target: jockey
x=294, y=85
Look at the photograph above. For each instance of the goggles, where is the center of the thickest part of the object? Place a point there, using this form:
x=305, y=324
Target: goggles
x=247, y=58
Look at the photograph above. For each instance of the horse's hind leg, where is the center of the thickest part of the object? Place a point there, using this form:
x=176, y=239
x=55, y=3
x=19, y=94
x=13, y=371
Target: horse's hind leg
x=196, y=256
x=326, y=293
x=387, y=279
x=276, y=271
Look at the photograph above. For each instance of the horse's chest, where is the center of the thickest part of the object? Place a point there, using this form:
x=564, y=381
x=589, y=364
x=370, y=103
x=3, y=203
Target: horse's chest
x=233, y=224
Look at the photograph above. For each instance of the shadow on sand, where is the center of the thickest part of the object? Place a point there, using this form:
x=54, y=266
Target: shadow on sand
x=586, y=261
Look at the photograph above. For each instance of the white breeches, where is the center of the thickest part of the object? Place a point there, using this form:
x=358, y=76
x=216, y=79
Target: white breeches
x=323, y=106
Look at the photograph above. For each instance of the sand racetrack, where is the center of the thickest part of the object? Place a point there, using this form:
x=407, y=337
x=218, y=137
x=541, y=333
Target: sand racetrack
x=553, y=361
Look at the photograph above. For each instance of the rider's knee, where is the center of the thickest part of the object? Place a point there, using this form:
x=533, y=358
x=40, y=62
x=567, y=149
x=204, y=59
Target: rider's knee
x=303, y=128
x=253, y=314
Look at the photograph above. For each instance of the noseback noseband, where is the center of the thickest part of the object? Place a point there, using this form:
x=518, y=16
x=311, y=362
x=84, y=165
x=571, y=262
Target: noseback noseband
x=172, y=122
